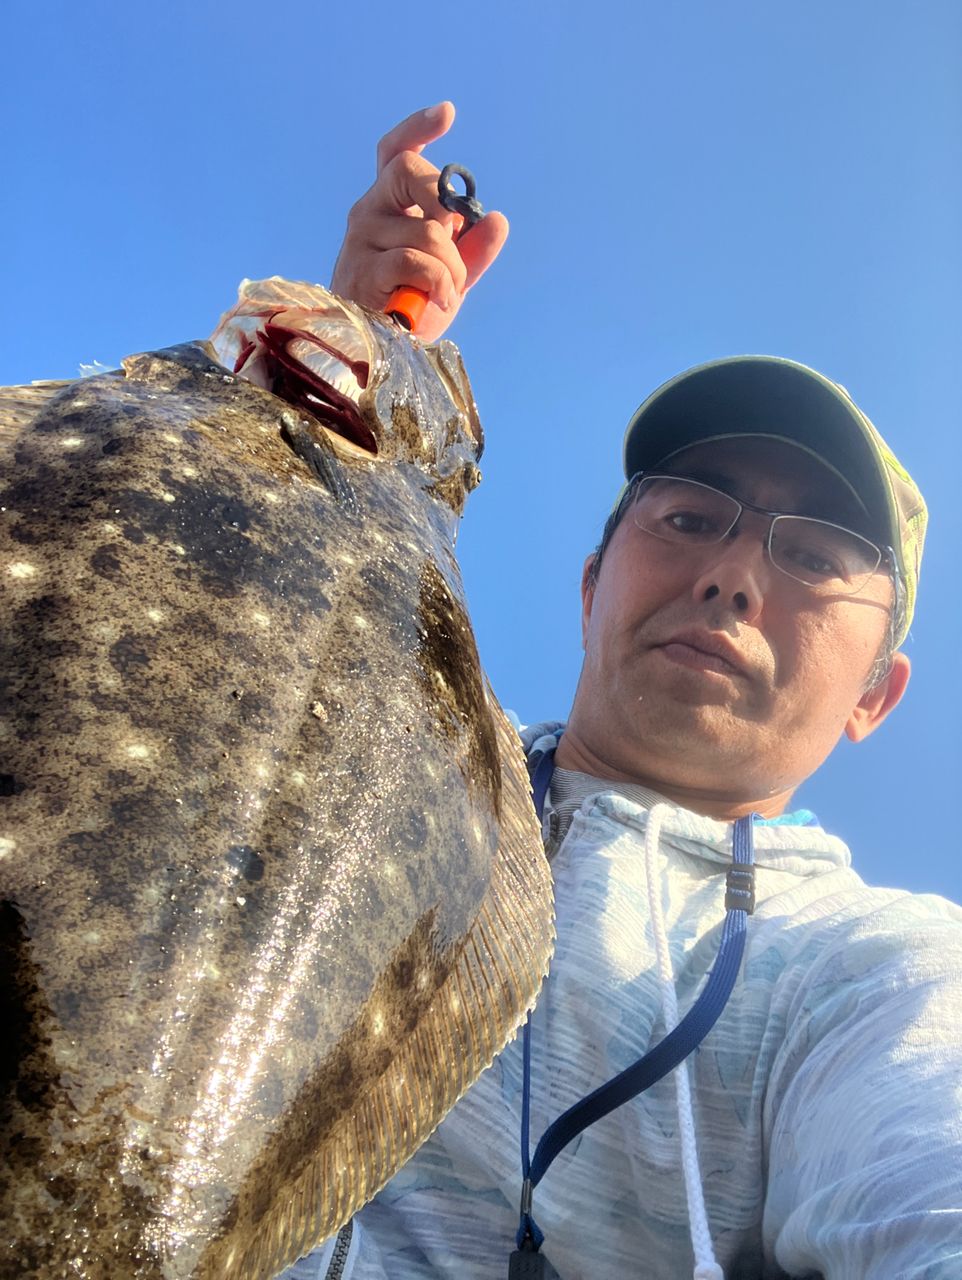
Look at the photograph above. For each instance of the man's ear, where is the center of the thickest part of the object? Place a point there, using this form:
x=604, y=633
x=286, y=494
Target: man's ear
x=587, y=597
x=875, y=703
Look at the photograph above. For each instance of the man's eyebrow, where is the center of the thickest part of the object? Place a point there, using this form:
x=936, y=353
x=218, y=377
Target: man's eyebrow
x=717, y=479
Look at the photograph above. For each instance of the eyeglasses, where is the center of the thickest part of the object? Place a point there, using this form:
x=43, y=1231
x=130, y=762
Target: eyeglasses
x=826, y=557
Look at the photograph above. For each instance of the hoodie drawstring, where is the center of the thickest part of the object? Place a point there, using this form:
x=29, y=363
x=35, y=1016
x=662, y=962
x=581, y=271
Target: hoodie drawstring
x=706, y=1267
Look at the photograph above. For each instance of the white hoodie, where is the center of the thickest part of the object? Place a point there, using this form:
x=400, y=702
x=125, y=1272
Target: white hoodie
x=827, y=1099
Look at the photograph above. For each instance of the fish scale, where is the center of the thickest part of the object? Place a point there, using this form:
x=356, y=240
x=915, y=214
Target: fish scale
x=271, y=891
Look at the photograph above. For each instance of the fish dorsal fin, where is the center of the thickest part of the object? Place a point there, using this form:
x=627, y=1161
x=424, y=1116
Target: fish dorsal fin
x=20, y=405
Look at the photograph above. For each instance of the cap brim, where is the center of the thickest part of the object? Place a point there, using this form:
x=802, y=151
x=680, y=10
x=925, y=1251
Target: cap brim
x=769, y=396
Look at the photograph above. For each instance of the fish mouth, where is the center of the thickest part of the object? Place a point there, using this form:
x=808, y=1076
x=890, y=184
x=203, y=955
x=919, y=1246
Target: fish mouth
x=277, y=348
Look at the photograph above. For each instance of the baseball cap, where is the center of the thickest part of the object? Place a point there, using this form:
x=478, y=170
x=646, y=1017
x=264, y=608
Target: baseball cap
x=783, y=400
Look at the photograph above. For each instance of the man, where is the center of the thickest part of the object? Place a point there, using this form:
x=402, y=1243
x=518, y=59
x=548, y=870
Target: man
x=742, y=612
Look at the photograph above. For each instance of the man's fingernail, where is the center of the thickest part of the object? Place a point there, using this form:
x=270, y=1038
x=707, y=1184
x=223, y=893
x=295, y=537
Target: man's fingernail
x=432, y=113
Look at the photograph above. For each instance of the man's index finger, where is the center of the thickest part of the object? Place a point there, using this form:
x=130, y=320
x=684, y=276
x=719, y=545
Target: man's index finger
x=415, y=133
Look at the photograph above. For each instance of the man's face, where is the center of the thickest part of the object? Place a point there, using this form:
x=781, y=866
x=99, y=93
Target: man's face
x=710, y=672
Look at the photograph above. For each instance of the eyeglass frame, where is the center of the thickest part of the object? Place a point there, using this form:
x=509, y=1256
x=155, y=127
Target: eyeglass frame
x=885, y=552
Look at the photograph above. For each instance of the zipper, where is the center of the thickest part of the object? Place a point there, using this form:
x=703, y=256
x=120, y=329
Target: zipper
x=342, y=1247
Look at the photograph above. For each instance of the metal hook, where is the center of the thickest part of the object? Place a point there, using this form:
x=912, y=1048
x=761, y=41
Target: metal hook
x=466, y=205
x=406, y=305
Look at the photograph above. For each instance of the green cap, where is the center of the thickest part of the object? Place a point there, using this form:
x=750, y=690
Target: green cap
x=784, y=400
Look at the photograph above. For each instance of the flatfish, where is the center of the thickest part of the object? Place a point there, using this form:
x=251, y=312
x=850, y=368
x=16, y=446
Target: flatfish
x=271, y=890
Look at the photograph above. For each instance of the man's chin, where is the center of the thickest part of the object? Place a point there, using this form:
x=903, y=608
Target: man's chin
x=691, y=733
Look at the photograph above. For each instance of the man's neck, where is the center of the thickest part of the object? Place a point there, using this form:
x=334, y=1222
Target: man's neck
x=578, y=756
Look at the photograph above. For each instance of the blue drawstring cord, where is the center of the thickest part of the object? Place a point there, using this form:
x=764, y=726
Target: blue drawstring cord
x=666, y=1055
x=528, y=1229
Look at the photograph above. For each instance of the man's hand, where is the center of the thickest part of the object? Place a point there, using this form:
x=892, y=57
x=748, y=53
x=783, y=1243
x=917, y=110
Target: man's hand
x=398, y=233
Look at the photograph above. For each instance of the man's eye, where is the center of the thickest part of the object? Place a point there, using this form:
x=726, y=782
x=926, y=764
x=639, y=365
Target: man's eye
x=691, y=523
x=813, y=560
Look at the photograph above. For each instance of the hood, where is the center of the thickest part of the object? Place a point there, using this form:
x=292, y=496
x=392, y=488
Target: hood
x=783, y=845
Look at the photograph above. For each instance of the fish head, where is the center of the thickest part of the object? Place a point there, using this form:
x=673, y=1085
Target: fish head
x=377, y=392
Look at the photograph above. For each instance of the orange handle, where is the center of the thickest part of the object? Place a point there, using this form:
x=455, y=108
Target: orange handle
x=406, y=306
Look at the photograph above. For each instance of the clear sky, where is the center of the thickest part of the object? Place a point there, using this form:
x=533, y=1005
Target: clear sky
x=683, y=180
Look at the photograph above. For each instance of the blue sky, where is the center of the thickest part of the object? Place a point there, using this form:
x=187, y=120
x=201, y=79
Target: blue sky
x=684, y=181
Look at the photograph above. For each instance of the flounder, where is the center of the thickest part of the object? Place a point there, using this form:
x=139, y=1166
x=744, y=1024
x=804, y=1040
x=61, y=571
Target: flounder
x=272, y=893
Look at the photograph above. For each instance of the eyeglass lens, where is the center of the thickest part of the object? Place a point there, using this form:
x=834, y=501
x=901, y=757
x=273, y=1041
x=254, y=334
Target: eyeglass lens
x=822, y=555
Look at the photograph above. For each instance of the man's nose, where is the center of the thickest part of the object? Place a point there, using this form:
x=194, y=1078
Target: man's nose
x=736, y=574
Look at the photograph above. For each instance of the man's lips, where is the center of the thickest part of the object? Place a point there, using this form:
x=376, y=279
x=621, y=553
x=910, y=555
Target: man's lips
x=705, y=651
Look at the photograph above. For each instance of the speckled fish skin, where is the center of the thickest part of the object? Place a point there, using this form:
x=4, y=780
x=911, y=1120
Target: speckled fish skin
x=271, y=891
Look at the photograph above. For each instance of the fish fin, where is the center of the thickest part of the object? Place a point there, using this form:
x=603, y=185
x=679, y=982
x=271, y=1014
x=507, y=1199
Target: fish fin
x=475, y=1012
x=20, y=405
x=447, y=361
x=320, y=457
